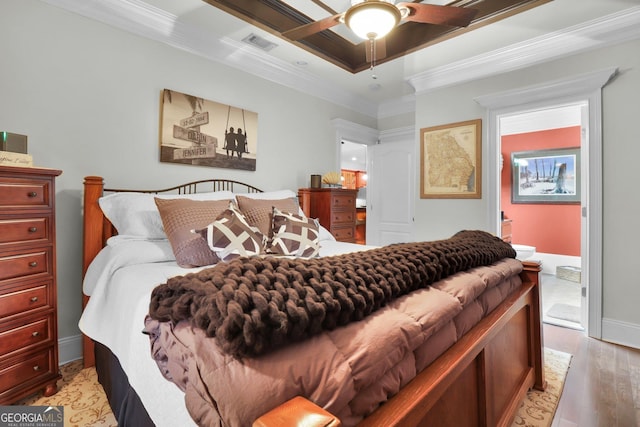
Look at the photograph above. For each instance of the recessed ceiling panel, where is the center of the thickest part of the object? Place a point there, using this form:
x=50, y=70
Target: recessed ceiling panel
x=340, y=47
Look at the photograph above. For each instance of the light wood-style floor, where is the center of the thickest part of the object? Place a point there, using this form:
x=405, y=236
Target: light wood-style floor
x=603, y=383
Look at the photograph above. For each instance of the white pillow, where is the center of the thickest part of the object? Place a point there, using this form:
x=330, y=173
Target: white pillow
x=325, y=234
x=136, y=214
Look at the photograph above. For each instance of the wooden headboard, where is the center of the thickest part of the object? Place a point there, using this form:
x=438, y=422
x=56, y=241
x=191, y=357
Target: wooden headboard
x=97, y=228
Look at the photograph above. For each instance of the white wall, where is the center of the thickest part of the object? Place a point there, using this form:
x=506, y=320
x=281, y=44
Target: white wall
x=621, y=109
x=88, y=97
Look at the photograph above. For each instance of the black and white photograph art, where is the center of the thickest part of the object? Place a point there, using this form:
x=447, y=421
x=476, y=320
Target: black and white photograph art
x=197, y=131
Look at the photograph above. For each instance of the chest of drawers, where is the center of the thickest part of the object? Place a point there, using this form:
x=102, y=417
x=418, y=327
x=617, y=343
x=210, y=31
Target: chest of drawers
x=28, y=305
x=335, y=208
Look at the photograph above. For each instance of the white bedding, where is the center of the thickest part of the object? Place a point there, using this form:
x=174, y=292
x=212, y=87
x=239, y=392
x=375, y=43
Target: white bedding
x=119, y=282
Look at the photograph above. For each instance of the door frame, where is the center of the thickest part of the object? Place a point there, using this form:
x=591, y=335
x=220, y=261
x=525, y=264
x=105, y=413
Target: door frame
x=585, y=87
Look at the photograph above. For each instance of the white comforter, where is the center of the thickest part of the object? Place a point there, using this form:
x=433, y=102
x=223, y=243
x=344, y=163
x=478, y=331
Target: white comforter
x=119, y=282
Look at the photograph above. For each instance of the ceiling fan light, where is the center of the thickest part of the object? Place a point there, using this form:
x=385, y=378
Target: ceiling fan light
x=372, y=19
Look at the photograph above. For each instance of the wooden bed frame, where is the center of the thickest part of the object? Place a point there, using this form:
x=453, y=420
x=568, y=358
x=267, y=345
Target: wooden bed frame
x=479, y=381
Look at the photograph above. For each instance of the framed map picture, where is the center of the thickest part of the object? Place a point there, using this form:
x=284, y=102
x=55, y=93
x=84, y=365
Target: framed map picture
x=197, y=131
x=451, y=161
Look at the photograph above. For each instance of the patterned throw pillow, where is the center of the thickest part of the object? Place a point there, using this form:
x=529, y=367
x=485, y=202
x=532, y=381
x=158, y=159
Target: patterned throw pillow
x=230, y=235
x=179, y=217
x=294, y=235
x=258, y=211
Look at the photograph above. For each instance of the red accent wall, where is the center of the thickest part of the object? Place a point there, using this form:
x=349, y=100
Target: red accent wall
x=551, y=228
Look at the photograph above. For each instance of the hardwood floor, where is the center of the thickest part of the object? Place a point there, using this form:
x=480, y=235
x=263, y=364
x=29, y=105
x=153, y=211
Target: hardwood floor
x=603, y=383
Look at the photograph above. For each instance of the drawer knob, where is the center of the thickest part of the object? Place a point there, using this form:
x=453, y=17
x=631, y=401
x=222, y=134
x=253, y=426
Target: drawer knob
x=33, y=229
x=35, y=333
x=32, y=194
x=36, y=368
x=34, y=299
x=33, y=264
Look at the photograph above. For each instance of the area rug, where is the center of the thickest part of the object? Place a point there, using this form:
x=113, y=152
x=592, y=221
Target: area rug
x=84, y=401
x=85, y=404
x=539, y=407
x=565, y=312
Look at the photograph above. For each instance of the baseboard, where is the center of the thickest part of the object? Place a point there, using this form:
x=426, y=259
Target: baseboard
x=551, y=261
x=69, y=349
x=619, y=332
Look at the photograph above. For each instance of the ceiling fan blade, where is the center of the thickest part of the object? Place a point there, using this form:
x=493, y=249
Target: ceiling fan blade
x=439, y=15
x=379, y=50
x=312, y=27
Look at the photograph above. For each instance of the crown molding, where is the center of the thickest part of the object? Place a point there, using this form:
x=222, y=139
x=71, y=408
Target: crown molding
x=607, y=30
x=561, y=88
x=406, y=133
x=395, y=107
x=138, y=17
x=147, y=21
x=354, y=132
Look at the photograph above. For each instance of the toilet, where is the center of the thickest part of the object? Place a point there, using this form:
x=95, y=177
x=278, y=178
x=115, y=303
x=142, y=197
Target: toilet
x=523, y=251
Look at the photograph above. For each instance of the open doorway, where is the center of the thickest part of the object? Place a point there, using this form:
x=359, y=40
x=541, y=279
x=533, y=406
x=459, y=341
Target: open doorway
x=353, y=171
x=578, y=88
x=540, y=201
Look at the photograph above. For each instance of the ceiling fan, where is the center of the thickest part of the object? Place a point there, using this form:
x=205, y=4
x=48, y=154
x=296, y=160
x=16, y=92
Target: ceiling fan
x=374, y=19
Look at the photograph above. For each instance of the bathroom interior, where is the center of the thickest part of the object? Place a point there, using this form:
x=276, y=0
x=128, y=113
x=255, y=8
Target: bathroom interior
x=547, y=232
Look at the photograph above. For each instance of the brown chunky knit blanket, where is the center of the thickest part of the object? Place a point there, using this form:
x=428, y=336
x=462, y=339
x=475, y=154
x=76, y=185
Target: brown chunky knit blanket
x=253, y=305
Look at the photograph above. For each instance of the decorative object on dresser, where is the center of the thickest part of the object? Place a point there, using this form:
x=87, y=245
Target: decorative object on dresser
x=332, y=179
x=13, y=142
x=13, y=150
x=28, y=307
x=335, y=208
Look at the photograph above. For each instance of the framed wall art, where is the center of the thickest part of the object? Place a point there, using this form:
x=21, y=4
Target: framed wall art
x=451, y=161
x=546, y=176
x=196, y=131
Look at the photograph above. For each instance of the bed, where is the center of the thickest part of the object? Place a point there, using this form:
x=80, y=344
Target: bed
x=477, y=379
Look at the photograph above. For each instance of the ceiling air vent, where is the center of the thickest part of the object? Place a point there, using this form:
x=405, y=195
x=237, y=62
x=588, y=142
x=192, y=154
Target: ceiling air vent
x=259, y=42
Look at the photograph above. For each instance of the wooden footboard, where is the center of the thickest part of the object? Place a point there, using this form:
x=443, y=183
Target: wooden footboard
x=477, y=382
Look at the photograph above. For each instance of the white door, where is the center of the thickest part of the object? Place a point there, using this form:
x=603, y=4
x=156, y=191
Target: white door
x=390, y=192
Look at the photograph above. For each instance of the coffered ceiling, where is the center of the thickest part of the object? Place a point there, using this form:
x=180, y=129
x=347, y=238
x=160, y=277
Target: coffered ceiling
x=340, y=47
x=504, y=35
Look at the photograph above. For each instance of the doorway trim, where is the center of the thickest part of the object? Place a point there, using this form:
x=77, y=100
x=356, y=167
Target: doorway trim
x=352, y=132
x=585, y=87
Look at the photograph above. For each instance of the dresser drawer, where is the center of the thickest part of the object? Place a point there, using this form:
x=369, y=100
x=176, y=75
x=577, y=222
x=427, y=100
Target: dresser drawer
x=345, y=201
x=24, y=265
x=343, y=217
x=23, y=230
x=343, y=234
x=26, y=336
x=24, y=300
x=38, y=365
x=24, y=193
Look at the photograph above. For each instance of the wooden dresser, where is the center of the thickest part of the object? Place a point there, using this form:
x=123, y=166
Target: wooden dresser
x=335, y=208
x=28, y=306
